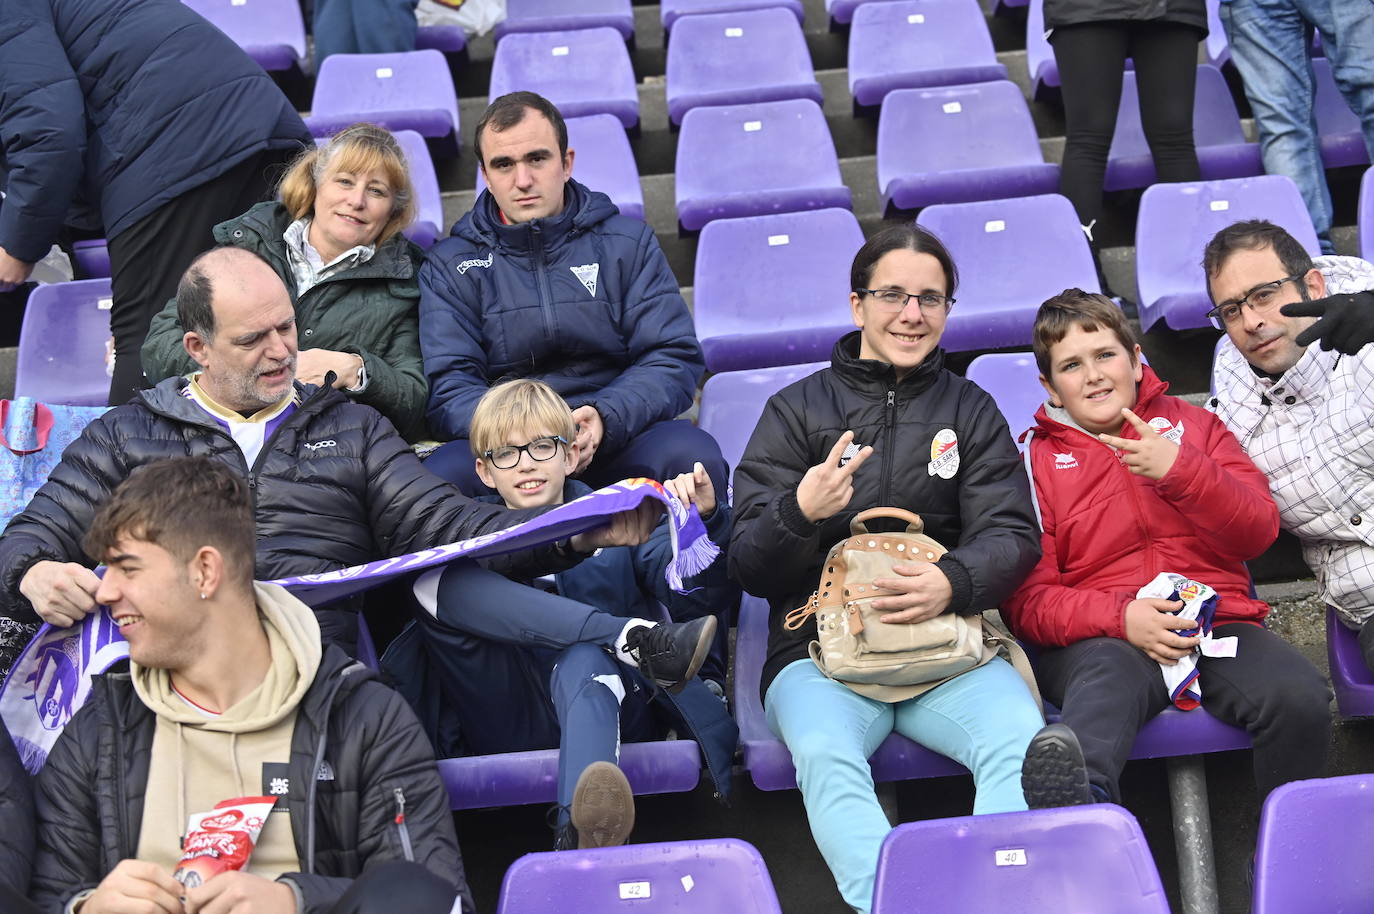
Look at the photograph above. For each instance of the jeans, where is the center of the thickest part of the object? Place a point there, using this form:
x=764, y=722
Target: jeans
x=1270, y=43
x=983, y=719
x=363, y=27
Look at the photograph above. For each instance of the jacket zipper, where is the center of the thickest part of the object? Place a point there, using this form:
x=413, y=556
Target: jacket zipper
x=402, y=829
x=120, y=800
x=542, y=279
x=891, y=422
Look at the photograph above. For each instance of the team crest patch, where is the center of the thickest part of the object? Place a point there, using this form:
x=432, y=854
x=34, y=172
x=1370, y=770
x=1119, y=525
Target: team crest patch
x=586, y=274
x=944, y=454
x=1166, y=430
x=1065, y=461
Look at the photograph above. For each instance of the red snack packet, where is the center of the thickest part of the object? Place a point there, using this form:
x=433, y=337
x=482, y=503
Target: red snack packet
x=221, y=839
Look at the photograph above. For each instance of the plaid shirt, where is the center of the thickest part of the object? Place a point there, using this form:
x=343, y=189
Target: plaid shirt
x=1311, y=433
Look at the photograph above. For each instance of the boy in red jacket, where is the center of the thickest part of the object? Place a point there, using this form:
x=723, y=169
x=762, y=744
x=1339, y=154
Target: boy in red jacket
x=1129, y=483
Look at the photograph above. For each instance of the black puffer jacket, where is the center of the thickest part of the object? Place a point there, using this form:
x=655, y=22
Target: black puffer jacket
x=334, y=486
x=356, y=743
x=1077, y=12
x=16, y=820
x=982, y=512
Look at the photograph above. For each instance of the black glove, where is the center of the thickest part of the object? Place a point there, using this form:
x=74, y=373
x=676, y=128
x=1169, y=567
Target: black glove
x=1346, y=325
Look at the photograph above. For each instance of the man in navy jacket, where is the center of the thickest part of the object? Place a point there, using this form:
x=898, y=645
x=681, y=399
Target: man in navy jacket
x=545, y=279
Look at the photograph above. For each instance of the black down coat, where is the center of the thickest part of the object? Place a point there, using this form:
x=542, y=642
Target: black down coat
x=16, y=820
x=1077, y=12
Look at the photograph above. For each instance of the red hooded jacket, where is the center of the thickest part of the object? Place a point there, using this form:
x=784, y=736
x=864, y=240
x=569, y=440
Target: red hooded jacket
x=1106, y=532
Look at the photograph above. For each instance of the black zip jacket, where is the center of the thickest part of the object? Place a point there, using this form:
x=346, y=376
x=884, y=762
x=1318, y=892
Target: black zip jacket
x=16, y=821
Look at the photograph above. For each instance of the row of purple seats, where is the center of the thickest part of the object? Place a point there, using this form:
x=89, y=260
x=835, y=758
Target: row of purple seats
x=915, y=44
x=562, y=16
x=583, y=72
x=670, y=11
x=412, y=90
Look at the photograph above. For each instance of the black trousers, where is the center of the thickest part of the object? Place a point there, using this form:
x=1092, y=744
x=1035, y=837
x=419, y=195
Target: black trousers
x=1108, y=689
x=148, y=258
x=1091, y=60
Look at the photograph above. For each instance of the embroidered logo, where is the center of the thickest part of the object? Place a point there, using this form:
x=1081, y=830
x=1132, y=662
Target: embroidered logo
x=469, y=264
x=1173, y=432
x=850, y=452
x=1065, y=461
x=586, y=274
x=328, y=442
x=944, y=454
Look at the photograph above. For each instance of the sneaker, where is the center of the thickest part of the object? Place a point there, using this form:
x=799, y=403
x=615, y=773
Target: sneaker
x=670, y=654
x=603, y=806
x=1053, y=773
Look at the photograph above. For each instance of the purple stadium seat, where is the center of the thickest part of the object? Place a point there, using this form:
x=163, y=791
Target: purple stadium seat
x=64, y=344
x=1222, y=150
x=517, y=778
x=746, y=160
x=1315, y=841
x=1217, y=48
x=713, y=875
x=1045, y=861
x=995, y=307
x=732, y=401
x=842, y=11
x=1177, y=220
x=446, y=39
x=1013, y=381
x=583, y=72
x=1351, y=680
x=774, y=290
x=412, y=90
x=915, y=44
x=271, y=32
x=670, y=11
x=1342, y=139
x=429, y=216
x=562, y=16
x=92, y=258
x=738, y=58
x=604, y=161
x=1366, y=215
x=976, y=143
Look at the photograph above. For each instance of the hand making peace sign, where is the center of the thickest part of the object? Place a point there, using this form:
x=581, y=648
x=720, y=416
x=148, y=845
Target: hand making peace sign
x=827, y=487
x=1151, y=456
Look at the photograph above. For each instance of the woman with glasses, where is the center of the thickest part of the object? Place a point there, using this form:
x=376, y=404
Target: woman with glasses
x=887, y=425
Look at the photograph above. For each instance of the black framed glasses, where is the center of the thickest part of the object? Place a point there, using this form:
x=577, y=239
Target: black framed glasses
x=508, y=455
x=896, y=300
x=1261, y=298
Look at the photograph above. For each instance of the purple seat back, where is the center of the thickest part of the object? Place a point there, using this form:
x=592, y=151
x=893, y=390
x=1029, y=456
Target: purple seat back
x=842, y=11
x=995, y=307
x=774, y=290
x=1342, y=141
x=977, y=143
x=271, y=32
x=411, y=90
x=1351, y=680
x=670, y=11
x=583, y=72
x=1366, y=215
x=1078, y=858
x=1222, y=149
x=1175, y=223
x=562, y=16
x=1217, y=48
x=1013, y=381
x=1315, y=841
x=429, y=213
x=738, y=58
x=92, y=258
x=732, y=402
x=604, y=161
x=63, y=344
x=747, y=160
x=913, y=44
x=715, y=875
x=447, y=39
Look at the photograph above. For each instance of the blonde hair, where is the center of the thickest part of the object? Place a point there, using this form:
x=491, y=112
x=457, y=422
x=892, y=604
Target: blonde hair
x=356, y=149
x=515, y=406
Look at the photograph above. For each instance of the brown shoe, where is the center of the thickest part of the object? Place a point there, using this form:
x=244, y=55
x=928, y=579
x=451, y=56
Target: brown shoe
x=603, y=806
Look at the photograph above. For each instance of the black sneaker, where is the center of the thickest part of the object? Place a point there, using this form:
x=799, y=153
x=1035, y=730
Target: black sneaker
x=1053, y=773
x=671, y=653
x=603, y=806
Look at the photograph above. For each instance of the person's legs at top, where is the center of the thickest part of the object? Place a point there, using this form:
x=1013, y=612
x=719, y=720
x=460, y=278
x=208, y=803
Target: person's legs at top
x=984, y=720
x=363, y=27
x=1347, y=30
x=402, y=885
x=831, y=731
x=1270, y=42
x=661, y=451
x=1165, y=56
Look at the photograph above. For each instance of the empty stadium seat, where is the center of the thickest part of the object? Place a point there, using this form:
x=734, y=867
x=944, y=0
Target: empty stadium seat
x=842, y=11
x=995, y=306
x=957, y=144
x=711, y=875
x=1342, y=139
x=1216, y=48
x=732, y=401
x=738, y=58
x=747, y=160
x=1174, y=225
x=65, y=343
x=1351, y=680
x=92, y=258
x=774, y=290
x=447, y=39
x=1013, y=381
x=1366, y=215
x=271, y=32
x=1041, y=66
x=1222, y=150
x=915, y=44
x=670, y=11
x=604, y=161
x=429, y=224
x=1315, y=841
x=583, y=72
x=1045, y=861
x=560, y=16
x=412, y=90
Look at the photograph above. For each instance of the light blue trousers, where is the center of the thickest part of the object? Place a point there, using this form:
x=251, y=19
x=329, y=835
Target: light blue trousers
x=983, y=719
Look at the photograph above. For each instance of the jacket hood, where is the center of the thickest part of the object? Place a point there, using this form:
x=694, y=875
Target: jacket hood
x=583, y=209
x=873, y=376
x=260, y=230
x=1050, y=420
x=293, y=636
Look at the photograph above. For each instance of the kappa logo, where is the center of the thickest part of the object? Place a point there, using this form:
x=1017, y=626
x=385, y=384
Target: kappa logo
x=586, y=274
x=1166, y=430
x=1065, y=461
x=328, y=442
x=469, y=264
